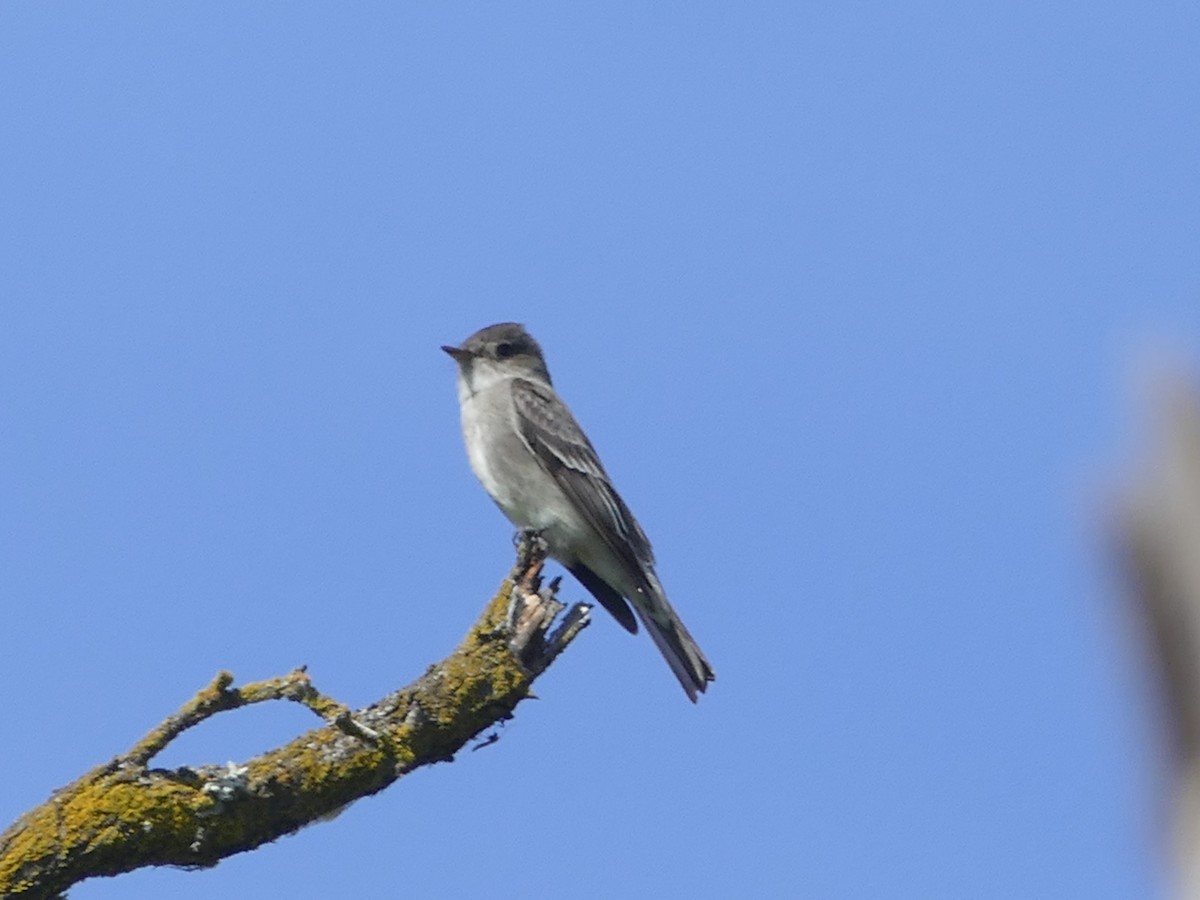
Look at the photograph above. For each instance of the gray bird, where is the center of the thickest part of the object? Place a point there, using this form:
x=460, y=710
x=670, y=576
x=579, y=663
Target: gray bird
x=536, y=463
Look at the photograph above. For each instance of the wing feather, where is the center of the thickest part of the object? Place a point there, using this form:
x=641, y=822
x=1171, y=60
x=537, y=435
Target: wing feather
x=564, y=451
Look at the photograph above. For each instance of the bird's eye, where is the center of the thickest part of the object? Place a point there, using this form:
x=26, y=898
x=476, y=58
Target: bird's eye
x=504, y=350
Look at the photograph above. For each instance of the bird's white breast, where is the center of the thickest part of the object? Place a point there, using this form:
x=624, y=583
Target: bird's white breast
x=505, y=466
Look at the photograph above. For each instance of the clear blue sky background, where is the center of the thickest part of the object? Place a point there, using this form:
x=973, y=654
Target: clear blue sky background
x=848, y=295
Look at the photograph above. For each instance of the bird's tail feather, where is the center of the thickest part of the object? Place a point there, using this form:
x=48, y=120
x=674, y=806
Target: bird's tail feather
x=674, y=642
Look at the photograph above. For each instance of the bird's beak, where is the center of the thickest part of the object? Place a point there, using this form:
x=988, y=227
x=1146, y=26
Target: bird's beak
x=459, y=354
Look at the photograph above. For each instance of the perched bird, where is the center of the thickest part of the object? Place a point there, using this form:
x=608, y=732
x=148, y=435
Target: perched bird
x=534, y=460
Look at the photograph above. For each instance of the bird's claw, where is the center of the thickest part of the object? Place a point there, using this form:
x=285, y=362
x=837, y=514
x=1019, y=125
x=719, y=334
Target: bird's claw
x=531, y=545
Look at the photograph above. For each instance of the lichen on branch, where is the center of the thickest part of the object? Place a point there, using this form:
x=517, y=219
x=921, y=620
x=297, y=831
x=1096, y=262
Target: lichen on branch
x=124, y=814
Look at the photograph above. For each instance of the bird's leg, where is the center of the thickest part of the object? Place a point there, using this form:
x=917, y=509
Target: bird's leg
x=531, y=546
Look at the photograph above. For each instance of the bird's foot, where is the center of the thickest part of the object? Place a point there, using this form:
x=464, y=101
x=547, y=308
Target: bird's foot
x=531, y=546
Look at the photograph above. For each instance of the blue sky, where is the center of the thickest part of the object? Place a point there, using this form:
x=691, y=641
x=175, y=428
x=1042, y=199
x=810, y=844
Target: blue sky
x=851, y=298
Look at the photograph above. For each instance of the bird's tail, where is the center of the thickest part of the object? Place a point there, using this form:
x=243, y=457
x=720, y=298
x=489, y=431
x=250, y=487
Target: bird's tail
x=673, y=640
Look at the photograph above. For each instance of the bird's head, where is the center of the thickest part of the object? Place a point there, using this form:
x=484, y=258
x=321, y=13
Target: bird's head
x=497, y=352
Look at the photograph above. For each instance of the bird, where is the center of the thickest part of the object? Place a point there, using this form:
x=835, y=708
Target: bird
x=538, y=466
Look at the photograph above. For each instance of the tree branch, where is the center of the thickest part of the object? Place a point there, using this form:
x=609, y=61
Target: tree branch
x=124, y=815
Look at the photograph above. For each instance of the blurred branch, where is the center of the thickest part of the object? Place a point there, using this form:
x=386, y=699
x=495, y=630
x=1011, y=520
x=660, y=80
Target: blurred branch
x=124, y=815
x=1161, y=537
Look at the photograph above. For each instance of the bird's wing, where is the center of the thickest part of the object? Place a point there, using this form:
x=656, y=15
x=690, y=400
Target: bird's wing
x=564, y=451
x=559, y=444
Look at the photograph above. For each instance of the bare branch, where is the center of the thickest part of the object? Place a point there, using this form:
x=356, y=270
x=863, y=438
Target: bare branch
x=124, y=815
